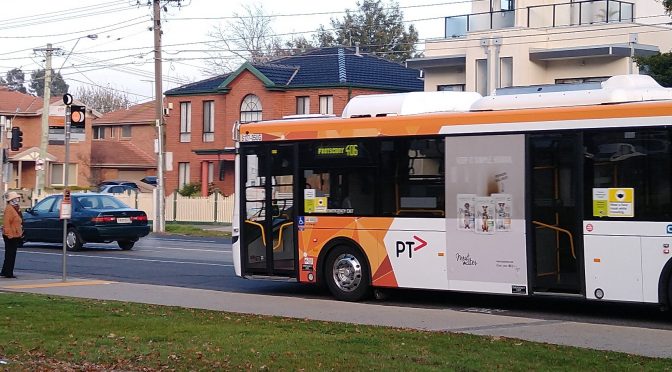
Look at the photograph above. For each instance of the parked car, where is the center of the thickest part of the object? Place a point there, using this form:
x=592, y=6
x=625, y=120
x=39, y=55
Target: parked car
x=96, y=218
x=116, y=189
x=119, y=182
x=150, y=180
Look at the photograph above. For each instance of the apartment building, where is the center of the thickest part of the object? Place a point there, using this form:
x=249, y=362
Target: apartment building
x=506, y=43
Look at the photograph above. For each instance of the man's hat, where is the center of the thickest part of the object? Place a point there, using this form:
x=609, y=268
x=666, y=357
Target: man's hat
x=12, y=195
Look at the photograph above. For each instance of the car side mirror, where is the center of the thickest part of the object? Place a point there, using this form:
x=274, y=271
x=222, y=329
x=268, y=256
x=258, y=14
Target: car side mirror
x=29, y=210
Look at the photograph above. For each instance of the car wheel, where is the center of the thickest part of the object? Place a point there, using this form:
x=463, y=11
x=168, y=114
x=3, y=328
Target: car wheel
x=347, y=274
x=126, y=245
x=73, y=242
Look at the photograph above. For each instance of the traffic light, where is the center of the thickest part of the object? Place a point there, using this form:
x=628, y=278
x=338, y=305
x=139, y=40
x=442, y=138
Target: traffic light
x=77, y=116
x=17, y=139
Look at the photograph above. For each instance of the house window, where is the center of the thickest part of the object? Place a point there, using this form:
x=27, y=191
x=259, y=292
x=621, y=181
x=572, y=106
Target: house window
x=113, y=132
x=98, y=132
x=302, y=105
x=57, y=174
x=326, y=105
x=596, y=79
x=185, y=122
x=211, y=172
x=208, y=121
x=250, y=109
x=450, y=88
x=482, y=76
x=126, y=131
x=183, y=174
x=506, y=72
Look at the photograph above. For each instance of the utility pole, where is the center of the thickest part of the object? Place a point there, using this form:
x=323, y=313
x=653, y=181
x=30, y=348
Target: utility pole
x=44, y=138
x=160, y=210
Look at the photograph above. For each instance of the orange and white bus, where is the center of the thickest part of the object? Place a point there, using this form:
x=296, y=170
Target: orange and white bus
x=526, y=192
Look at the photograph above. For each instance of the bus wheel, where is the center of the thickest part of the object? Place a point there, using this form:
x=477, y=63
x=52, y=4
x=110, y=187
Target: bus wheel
x=347, y=274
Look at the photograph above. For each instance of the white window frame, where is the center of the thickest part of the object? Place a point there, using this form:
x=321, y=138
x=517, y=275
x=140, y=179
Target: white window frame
x=327, y=105
x=130, y=131
x=185, y=121
x=99, y=132
x=302, y=105
x=251, y=109
x=208, y=121
x=59, y=168
x=183, y=174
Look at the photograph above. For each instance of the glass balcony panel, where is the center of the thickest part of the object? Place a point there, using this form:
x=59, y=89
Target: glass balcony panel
x=479, y=22
x=456, y=26
x=503, y=19
x=540, y=16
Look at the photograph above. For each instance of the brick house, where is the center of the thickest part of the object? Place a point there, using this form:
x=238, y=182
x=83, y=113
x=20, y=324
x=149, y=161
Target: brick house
x=25, y=112
x=199, y=145
x=122, y=144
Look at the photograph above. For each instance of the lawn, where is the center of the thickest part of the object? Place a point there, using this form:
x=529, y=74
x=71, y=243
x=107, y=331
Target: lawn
x=40, y=332
x=198, y=230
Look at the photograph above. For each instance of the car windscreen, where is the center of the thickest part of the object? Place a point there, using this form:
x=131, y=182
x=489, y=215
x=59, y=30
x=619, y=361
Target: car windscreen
x=100, y=202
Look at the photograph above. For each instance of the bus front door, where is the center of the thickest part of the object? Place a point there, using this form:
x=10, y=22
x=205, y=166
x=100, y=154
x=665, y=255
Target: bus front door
x=555, y=223
x=268, y=233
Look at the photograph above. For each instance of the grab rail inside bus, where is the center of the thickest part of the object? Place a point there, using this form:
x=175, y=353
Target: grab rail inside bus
x=261, y=228
x=282, y=228
x=558, y=229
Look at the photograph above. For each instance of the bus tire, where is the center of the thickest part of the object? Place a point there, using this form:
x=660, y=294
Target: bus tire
x=347, y=274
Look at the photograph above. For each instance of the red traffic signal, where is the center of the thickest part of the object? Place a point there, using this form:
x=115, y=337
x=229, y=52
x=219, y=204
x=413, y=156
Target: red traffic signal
x=77, y=115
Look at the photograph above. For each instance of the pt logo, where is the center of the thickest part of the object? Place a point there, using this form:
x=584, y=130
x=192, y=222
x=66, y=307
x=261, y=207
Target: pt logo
x=403, y=247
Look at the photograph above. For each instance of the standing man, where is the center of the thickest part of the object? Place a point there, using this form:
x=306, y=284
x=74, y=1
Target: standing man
x=12, y=233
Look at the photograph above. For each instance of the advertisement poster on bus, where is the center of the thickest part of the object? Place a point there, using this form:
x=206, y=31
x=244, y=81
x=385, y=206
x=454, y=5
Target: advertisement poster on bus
x=485, y=227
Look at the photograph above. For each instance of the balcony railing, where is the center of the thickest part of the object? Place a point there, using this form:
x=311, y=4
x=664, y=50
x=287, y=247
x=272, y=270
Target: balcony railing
x=458, y=26
x=580, y=13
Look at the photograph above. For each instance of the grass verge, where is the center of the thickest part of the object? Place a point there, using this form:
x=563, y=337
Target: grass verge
x=183, y=229
x=40, y=332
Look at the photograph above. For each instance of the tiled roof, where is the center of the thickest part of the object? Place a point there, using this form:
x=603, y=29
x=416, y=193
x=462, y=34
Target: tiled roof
x=325, y=67
x=13, y=102
x=138, y=114
x=203, y=86
x=21, y=103
x=119, y=153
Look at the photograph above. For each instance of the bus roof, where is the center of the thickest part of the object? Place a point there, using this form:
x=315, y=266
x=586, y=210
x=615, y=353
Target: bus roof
x=620, y=99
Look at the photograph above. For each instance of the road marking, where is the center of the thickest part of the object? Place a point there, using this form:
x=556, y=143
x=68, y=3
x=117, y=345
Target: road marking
x=187, y=249
x=57, y=284
x=185, y=240
x=130, y=259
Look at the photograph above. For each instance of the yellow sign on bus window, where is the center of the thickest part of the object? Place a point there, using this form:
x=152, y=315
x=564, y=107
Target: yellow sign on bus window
x=614, y=202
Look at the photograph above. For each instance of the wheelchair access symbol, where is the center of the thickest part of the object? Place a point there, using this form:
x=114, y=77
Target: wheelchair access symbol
x=301, y=223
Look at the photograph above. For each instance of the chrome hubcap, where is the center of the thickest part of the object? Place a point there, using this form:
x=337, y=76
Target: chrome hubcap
x=70, y=239
x=347, y=272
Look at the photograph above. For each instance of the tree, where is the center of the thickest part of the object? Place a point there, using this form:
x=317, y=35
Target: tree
x=102, y=99
x=667, y=4
x=16, y=79
x=658, y=67
x=248, y=36
x=58, y=85
x=378, y=28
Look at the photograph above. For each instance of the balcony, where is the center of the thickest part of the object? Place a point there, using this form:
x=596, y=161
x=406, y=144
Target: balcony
x=459, y=26
x=580, y=13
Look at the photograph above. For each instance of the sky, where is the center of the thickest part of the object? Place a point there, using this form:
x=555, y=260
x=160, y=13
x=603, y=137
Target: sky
x=121, y=58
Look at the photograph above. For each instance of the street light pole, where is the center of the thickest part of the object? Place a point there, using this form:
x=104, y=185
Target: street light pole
x=159, y=212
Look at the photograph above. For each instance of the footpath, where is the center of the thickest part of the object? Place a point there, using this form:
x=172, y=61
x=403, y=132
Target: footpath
x=632, y=340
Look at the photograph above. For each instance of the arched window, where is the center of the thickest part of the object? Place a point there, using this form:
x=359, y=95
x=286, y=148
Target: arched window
x=250, y=109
